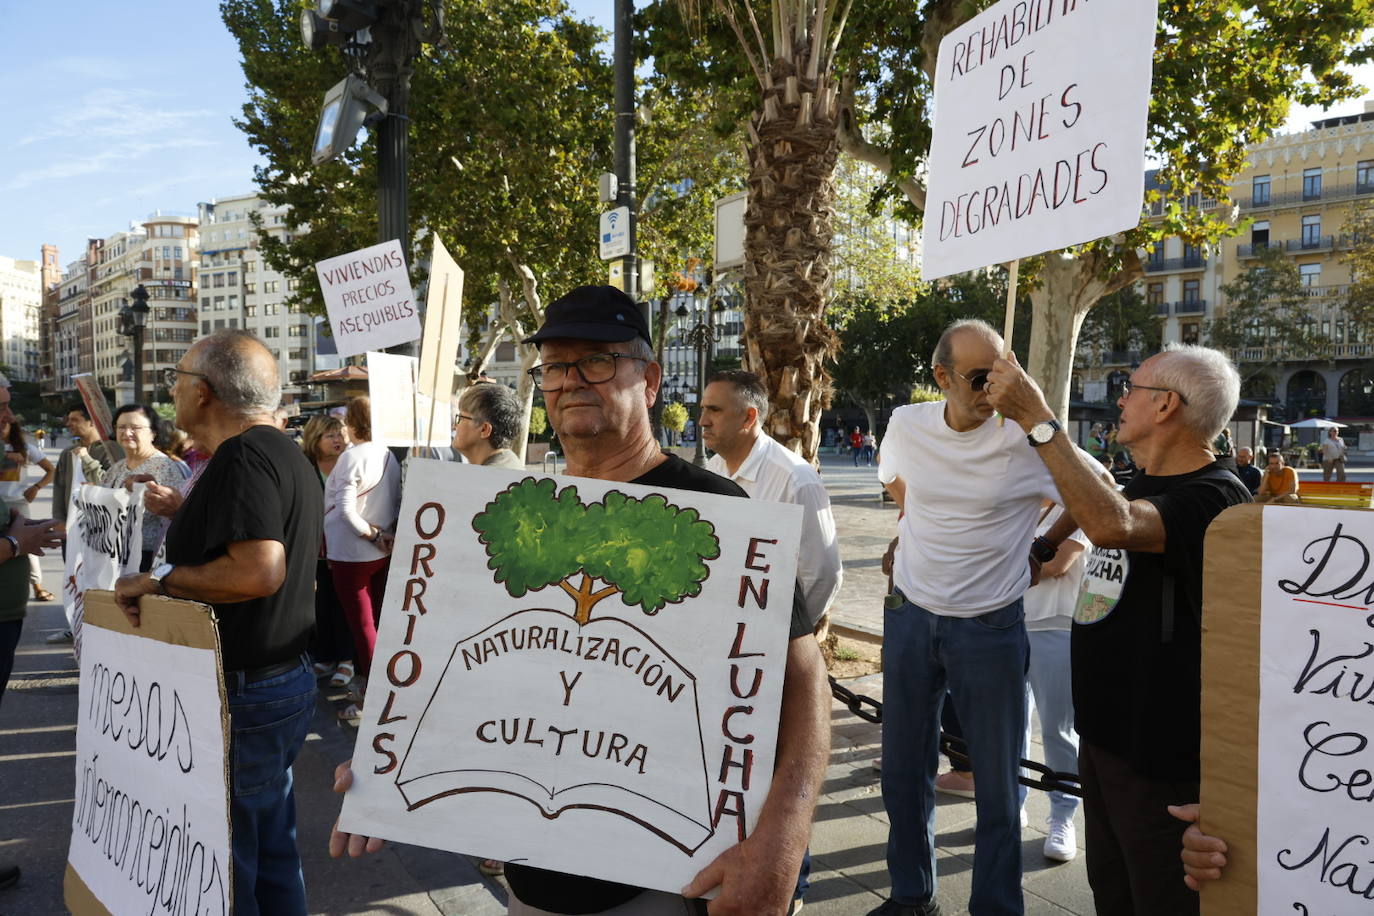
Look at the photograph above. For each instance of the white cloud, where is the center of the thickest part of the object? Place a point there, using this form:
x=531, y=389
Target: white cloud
x=114, y=114
x=108, y=160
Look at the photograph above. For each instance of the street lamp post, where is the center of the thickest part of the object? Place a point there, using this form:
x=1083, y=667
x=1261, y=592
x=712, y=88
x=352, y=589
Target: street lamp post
x=140, y=317
x=701, y=336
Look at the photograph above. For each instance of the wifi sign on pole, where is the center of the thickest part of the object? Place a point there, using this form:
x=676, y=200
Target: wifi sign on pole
x=615, y=233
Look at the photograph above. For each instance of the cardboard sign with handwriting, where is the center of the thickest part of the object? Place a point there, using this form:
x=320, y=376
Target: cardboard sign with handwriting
x=150, y=824
x=575, y=674
x=1288, y=709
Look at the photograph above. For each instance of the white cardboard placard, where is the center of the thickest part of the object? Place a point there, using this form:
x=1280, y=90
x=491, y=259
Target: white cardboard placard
x=369, y=300
x=150, y=823
x=1316, y=712
x=1039, y=133
x=401, y=415
x=627, y=745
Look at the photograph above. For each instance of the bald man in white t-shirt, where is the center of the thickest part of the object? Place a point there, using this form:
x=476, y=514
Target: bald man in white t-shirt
x=973, y=491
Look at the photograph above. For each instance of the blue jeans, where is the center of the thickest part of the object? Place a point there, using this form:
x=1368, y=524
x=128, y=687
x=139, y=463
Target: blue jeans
x=268, y=723
x=982, y=663
x=1049, y=684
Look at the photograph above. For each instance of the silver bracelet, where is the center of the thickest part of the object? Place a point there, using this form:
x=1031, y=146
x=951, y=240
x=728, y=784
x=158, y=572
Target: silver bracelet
x=14, y=544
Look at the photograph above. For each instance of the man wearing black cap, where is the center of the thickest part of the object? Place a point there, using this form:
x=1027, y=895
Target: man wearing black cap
x=599, y=378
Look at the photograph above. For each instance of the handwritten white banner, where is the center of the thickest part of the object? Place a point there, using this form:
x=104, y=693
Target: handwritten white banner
x=1039, y=133
x=575, y=674
x=1315, y=817
x=104, y=542
x=150, y=824
x=369, y=300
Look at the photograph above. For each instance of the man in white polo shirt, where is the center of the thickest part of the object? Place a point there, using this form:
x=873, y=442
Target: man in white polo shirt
x=733, y=411
x=972, y=499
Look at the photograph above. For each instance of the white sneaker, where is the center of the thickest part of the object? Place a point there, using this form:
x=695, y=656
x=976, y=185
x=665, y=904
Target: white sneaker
x=1025, y=821
x=61, y=636
x=1062, y=843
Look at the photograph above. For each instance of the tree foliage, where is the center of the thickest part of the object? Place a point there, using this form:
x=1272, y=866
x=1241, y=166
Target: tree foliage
x=649, y=551
x=1122, y=321
x=1359, y=307
x=1267, y=319
x=675, y=417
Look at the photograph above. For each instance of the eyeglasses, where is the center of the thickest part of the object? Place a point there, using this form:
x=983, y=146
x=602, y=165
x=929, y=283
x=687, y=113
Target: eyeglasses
x=130, y=429
x=977, y=381
x=462, y=416
x=169, y=376
x=594, y=369
x=1128, y=386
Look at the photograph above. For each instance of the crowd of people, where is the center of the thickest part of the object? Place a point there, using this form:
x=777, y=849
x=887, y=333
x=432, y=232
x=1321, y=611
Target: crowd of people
x=1025, y=574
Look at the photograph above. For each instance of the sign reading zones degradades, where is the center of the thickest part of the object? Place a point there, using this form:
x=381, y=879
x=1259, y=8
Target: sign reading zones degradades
x=1039, y=134
x=369, y=300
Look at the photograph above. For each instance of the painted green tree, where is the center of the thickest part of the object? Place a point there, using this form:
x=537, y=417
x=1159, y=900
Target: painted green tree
x=647, y=550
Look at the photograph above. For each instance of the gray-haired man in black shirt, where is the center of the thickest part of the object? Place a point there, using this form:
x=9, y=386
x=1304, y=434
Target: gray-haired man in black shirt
x=246, y=541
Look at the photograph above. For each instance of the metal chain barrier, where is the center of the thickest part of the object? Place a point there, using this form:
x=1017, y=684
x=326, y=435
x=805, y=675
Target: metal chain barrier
x=870, y=710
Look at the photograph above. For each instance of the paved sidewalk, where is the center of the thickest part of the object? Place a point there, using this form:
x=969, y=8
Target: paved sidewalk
x=37, y=728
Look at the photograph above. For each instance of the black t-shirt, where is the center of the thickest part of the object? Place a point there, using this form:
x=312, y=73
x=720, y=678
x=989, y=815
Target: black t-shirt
x=562, y=893
x=1250, y=476
x=1137, y=680
x=257, y=487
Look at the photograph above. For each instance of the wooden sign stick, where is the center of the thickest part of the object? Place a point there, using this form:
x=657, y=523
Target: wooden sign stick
x=1009, y=323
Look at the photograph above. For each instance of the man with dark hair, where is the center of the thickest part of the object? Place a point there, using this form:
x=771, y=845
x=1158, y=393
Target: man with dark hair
x=599, y=378
x=487, y=422
x=733, y=411
x=246, y=541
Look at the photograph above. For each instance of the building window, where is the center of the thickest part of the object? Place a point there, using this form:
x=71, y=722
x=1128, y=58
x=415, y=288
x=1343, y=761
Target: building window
x=250, y=288
x=269, y=286
x=219, y=324
x=292, y=283
x=1364, y=177
x=1311, y=231
x=219, y=303
x=250, y=311
x=1192, y=253
x=232, y=278
x=1259, y=191
x=297, y=330
x=233, y=303
x=1189, y=332
x=1311, y=184
x=1259, y=234
x=270, y=308
x=233, y=322
x=1192, y=291
x=271, y=331
x=295, y=354
x=251, y=267
x=1154, y=293
x=1311, y=274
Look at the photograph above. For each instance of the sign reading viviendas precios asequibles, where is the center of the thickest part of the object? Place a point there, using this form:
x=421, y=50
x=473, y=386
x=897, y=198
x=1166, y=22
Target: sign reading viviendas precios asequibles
x=369, y=300
x=1039, y=132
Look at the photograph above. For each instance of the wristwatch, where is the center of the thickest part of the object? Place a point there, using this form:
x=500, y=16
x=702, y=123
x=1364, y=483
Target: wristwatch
x=158, y=574
x=1042, y=432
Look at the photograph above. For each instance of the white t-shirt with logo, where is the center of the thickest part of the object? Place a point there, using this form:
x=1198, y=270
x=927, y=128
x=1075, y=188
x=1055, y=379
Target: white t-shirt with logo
x=1050, y=603
x=972, y=502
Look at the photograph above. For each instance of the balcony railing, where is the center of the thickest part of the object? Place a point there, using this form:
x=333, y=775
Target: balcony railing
x=1190, y=307
x=1161, y=308
x=1160, y=265
x=1311, y=243
x=1291, y=198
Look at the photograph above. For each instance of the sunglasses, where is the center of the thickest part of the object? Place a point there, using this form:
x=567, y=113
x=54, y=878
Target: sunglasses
x=977, y=381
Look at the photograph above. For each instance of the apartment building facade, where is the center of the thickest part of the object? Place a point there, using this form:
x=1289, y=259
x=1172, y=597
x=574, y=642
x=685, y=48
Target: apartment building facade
x=239, y=290
x=21, y=300
x=1296, y=195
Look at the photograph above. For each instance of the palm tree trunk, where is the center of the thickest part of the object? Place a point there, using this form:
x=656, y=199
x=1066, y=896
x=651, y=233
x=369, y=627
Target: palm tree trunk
x=792, y=151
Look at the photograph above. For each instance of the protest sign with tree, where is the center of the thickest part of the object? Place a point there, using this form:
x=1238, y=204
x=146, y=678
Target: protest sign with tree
x=647, y=550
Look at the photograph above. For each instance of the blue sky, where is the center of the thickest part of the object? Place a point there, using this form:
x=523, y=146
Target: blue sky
x=115, y=110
